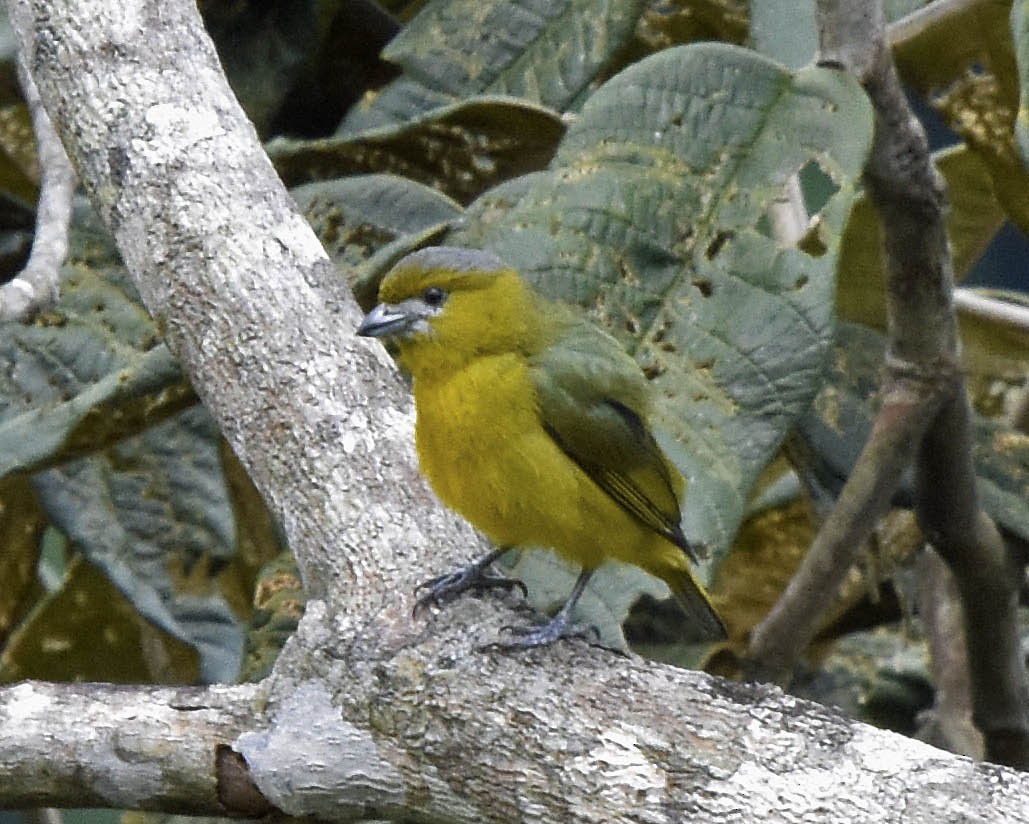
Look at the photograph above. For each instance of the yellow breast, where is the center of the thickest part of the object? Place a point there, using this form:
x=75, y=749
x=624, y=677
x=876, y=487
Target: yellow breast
x=485, y=452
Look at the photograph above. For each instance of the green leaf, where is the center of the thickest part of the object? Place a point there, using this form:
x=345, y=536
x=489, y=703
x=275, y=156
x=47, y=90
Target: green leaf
x=461, y=149
x=89, y=372
x=653, y=216
x=85, y=375
x=784, y=31
x=87, y=631
x=356, y=217
x=153, y=513
x=543, y=51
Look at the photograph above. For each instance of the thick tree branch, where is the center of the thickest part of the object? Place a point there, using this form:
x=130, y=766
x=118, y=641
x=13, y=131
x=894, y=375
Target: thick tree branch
x=454, y=736
x=112, y=746
x=370, y=712
x=241, y=288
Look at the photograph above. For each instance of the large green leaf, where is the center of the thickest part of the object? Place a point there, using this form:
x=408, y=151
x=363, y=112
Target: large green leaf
x=653, y=216
x=461, y=149
x=544, y=51
x=356, y=217
x=784, y=31
x=89, y=372
x=153, y=513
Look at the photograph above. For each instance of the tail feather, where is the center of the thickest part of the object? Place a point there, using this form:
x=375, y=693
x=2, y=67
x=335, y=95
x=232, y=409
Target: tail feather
x=691, y=597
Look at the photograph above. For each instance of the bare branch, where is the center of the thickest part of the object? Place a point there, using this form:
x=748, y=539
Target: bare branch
x=100, y=745
x=975, y=303
x=912, y=25
x=240, y=286
x=780, y=639
x=35, y=287
x=923, y=391
x=939, y=603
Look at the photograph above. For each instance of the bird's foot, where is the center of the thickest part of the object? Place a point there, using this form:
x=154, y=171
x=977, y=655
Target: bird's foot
x=541, y=635
x=475, y=577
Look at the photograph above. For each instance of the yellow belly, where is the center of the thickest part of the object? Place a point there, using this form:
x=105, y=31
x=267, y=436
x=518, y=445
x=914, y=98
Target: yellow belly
x=485, y=452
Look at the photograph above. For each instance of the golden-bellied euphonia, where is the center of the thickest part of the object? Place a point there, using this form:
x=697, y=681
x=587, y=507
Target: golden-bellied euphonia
x=532, y=424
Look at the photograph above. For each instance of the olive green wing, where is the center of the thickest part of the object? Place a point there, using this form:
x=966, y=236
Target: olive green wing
x=592, y=401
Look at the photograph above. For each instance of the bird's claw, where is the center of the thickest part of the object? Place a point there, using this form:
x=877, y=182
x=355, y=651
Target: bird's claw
x=445, y=588
x=543, y=635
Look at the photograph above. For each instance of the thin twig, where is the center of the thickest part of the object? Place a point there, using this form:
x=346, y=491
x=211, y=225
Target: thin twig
x=912, y=25
x=780, y=639
x=939, y=604
x=788, y=214
x=977, y=304
x=35, y=287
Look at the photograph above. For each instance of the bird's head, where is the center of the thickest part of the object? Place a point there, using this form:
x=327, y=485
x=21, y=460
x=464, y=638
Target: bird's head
x=444, y=306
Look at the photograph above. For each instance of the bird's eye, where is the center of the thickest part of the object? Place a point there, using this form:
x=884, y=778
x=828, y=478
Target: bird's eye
x=434, y=296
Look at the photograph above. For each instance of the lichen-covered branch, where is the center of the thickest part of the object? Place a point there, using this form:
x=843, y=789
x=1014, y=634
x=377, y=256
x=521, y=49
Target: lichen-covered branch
x=100, y=745
x=435, y=732
x=370, y=712
x=241, y=289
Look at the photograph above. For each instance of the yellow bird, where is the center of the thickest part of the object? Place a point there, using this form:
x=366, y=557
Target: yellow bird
x=532, y=424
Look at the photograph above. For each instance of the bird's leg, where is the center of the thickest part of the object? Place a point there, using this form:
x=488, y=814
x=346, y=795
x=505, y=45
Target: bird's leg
x=560, y=626
x=476, y=576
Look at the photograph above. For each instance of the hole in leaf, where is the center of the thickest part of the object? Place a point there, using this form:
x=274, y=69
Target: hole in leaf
x=704, y=286
x=831, y=64
x=652, y=370
x=818, y=187
x=720, y=239
x=812, y=243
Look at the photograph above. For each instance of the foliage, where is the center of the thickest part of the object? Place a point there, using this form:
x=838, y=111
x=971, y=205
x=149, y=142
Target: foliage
x=618, y=167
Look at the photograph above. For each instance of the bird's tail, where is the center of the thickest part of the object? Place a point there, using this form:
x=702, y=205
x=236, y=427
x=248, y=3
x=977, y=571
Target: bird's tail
x=704, y=621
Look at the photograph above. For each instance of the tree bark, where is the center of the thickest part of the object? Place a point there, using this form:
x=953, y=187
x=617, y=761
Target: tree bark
x=371, y=712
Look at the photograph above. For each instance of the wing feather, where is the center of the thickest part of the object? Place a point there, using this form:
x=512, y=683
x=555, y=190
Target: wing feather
x=593, y=402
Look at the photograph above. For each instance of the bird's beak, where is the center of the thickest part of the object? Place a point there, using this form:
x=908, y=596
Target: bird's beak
x=385, y=321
